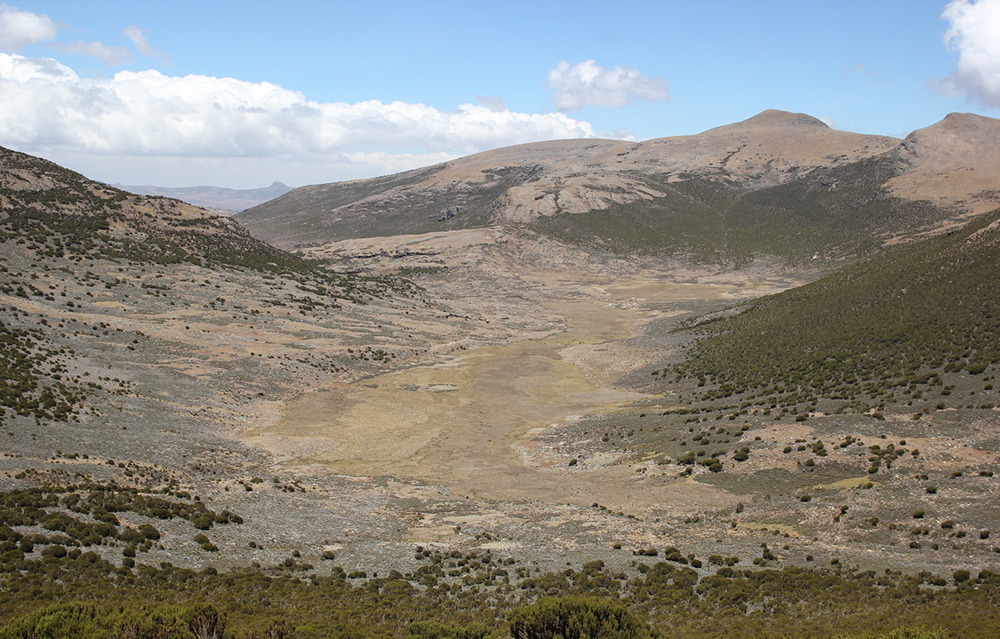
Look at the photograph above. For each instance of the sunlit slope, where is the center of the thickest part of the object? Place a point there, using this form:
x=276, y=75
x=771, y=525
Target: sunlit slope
x=778, y=184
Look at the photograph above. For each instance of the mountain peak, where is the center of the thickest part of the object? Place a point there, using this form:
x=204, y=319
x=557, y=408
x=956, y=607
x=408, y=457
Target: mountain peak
x=953, y=161
x=969, y=126
x=774, y=119
x=967, y=119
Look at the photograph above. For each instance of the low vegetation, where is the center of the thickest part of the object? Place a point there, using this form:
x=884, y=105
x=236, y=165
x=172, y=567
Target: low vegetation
x=66, y=582
x=904, y=328
x=824, y=216
x=63, y=235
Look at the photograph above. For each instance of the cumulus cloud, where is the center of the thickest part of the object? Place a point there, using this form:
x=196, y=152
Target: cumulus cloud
x=111, y=56
x=21, y=28
x=138, y=38
x=975, y=34
x=44, y=105
x=588, y=83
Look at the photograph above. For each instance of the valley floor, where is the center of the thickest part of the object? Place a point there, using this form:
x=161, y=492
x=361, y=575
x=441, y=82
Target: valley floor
x=507, y=408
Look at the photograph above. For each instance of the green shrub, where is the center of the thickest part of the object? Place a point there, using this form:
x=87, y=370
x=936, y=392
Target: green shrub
x=149, y=532
x=576, y=618
x=436, y=630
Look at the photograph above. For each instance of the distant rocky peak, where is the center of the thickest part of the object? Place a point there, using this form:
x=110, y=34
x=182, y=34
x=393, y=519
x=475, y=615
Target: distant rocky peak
x=776, y=118
x=773, y=119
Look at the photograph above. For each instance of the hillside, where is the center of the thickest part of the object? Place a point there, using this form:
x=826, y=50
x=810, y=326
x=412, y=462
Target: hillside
x=869, y=396
x=65, y=215
x=890, y=330
x=97, y=284
x=778, y=184
x=952, y=162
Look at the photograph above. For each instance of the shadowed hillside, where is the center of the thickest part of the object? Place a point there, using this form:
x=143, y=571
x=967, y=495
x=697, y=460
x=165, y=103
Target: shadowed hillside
x=880, y=332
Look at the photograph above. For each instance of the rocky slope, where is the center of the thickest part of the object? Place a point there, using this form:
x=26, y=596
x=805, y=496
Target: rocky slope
x=745, y=177
x=190, y=316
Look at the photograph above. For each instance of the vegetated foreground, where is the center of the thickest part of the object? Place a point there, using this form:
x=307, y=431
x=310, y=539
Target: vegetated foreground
x=238, y=442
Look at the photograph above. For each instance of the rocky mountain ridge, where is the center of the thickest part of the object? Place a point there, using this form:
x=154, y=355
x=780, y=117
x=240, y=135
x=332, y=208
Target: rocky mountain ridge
x=948, y=167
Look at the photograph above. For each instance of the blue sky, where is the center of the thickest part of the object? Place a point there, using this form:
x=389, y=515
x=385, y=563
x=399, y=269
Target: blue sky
x=239, y=94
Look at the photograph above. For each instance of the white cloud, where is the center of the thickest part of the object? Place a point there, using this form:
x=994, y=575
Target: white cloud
x=21, y=28
x=138, y=38
x=45, y=108
x=975, y=34
x=587, y=83
x=111, y=56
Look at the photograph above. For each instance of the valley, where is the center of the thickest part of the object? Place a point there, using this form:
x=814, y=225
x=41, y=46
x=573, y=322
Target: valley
x=461, y=421
x=666, y=395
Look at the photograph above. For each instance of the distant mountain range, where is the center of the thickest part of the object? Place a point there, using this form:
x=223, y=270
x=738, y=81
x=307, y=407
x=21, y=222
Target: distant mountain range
x=218, y=199
x=779, y=183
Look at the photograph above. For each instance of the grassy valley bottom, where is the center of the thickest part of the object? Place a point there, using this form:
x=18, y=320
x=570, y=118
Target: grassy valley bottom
x=56, y=580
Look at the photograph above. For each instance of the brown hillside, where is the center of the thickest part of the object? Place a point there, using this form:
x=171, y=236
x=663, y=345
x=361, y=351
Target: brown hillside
x=953, y=163
x=519, y=184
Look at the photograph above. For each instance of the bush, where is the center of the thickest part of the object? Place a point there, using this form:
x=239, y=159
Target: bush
x=435, y=630
x=203, y=522
x=149, y=532
x=575, y=618
x=56, y=551
x=205, y=622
